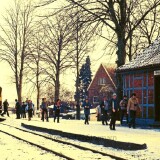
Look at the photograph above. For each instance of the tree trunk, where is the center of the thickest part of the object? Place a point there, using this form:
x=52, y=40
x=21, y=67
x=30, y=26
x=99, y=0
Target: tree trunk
x=38, y=97
x=77, y=70
x=38, y=92
x=19, y=92
x=121, y=54
x=37, y=82
x=57, y=86
x=0, y=96
x=77, y=92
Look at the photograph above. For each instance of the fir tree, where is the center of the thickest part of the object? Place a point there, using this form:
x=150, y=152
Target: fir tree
x=85, y=78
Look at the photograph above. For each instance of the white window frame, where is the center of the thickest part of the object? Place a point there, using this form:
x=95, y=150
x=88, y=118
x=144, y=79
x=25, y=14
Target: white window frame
x=95, y=102
x=101, y=81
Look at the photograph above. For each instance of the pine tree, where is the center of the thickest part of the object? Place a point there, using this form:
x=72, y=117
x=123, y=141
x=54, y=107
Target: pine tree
x=85, y=78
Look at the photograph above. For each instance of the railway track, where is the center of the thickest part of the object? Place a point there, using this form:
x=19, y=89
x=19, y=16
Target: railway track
x=58, y=147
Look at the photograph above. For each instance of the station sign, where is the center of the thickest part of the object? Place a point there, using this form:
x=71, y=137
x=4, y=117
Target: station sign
x=157, y=73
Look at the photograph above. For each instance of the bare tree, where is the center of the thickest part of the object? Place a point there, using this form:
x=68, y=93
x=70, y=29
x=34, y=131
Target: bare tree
x=66, y=95
x=118, y=15
x=122, y=17
x=15, y=40
x=82, y=38
x=57, y=49
x=35, y=73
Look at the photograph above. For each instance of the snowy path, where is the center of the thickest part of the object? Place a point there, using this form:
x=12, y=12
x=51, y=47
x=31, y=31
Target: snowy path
x=150, y=137
x=67, y=150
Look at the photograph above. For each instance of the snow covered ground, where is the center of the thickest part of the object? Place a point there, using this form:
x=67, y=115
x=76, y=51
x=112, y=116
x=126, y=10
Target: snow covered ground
x=13, y=149
x=124, y=134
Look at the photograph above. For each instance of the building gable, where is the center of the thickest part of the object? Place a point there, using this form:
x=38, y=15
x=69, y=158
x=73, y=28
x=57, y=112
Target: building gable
x=103, y=80
x=102, y=77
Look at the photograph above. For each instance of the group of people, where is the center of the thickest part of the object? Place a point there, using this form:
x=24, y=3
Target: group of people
x=44, y=110
x=20, y=108
x=103, y=111
x=23, y=108
x=107, y=111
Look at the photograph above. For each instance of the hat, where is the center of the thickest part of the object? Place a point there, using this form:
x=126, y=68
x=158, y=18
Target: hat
x=114, y=94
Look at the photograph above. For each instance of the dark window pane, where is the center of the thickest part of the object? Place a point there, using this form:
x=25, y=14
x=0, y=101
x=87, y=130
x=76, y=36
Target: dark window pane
x=150, y=112
x=150, y=96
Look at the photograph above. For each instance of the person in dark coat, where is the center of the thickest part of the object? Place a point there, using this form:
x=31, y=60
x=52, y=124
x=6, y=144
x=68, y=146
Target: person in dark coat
x=18, y=109
x=114, y=109
x=87, y=106
x=5, y=105
x=57, y=108
x=24, y=105
x=44, y=108
x=123, y=105
x=104, y=110
x=30, y=110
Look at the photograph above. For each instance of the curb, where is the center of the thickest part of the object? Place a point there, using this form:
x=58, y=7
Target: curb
x=90, y=139
x=2, y=119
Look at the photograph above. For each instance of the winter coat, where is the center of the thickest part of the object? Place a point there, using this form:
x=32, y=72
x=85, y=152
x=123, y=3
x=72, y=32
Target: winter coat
x=24, y=107
x=57, y=108
x=18, y=107
x=5, y=104
x=114, y=104
x=87, y=107
x=29, y=106
x=133, y=104
x=44, y=105
x=123, y=104
x=98, y=109
x=104, y=107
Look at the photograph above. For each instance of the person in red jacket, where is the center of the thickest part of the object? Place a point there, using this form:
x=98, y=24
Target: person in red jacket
x=57, y=108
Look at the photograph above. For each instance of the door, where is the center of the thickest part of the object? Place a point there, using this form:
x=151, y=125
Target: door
x=157, y=98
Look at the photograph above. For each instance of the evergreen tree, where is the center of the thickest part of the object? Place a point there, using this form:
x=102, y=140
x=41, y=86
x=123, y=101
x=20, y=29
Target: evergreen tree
x=85, y=78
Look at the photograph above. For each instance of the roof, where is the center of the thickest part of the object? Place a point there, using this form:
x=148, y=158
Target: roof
x=107, y=68
x=149, y=57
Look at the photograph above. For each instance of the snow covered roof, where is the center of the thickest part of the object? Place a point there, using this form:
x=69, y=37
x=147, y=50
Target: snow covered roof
x=149, y=57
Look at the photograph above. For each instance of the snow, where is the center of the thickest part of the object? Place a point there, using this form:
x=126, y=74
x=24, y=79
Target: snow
x=150, y=56
x=12, y=149
x=124, y=134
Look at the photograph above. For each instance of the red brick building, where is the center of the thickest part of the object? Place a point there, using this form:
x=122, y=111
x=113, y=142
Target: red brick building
x=103, y=84
x=142, y=76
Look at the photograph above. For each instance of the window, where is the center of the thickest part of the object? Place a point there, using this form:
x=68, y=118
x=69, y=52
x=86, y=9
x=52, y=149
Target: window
x=95, y=99
x=102, y=81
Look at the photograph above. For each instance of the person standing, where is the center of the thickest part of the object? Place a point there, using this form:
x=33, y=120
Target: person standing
x=114, y=109
x=87, y=106
x=104, y=110
x=57, y=108
x=98, y=112
x=24, y=110
x=30, y=109
x=33, y=112
x=132, y=107
x=18, y=109
x=44, y=108
x=5, y=105
x=123, y=106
